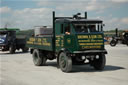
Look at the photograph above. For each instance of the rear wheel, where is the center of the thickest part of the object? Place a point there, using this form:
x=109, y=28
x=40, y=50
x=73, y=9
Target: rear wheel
x=25, y=49
x=12, y=49
x=127, y=43
x=38, y=58
x=65, y=62
x=113, y=43
x=99, y=63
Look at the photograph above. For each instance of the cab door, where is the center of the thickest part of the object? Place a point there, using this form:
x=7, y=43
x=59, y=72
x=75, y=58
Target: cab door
x=59, y=42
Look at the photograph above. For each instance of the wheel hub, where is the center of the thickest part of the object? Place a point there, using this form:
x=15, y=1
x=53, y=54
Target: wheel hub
x=63, y=61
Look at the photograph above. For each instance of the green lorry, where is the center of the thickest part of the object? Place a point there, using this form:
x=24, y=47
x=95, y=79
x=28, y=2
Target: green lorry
x=72, y=41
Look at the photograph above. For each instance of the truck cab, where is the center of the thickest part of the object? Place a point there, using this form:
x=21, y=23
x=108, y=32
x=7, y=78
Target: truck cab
x=78, y=35
x=6, y=39
x=2, y=38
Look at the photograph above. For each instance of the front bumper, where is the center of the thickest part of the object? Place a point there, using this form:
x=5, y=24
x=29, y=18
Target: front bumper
x=3, y=47
x=91, y=51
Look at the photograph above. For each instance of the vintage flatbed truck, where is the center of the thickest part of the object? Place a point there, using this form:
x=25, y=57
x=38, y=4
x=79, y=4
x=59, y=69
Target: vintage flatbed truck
x=73, y=40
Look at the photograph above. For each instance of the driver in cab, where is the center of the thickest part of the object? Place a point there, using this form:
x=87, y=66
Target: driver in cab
x=67, y=30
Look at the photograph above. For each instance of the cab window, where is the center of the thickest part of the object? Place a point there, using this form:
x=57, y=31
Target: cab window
x=86, y=28
x=92, y=28
x=67, y=29
x=62, y=29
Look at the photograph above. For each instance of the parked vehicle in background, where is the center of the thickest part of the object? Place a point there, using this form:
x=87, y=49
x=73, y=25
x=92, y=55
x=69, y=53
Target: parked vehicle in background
x=9, y=41
x=122, y=38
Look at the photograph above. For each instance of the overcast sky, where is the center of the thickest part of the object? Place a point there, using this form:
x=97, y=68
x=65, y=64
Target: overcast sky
x=25, y=14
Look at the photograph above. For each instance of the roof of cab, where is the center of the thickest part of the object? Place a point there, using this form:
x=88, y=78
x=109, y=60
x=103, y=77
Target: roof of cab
x=78, y=20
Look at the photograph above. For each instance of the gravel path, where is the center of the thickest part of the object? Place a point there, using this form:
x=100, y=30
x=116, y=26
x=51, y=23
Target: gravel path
x=18, y=69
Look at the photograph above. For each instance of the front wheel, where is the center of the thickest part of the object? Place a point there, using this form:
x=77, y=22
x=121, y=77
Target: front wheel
x=12, y=49
x=99, y=63
x=38, y=58
x=65, y=62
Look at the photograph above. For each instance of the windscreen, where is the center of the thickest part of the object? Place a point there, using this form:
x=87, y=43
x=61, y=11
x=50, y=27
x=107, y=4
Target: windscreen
x=87, y=28
x=2, y=37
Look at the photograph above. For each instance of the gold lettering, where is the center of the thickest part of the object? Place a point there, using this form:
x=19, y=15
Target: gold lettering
x=90, y=43
x=99, y=36
x=29, y=42
x=88, y=47
x=89, y=36
x=39, y=39
x=32, y=39
x=82, y=36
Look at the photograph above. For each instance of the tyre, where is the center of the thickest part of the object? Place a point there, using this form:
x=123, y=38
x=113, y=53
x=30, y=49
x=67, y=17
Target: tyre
x=127, y=43
x=38, y=58
x=12, y=49
x=65, y=62
x=113, y=43
x=99, y=63
x=25, y=49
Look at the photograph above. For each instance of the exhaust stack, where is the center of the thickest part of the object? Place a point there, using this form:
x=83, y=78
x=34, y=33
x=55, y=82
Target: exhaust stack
x=85, y=15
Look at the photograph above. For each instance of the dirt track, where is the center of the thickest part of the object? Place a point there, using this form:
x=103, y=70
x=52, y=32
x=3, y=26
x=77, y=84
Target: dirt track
x=18, y=69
